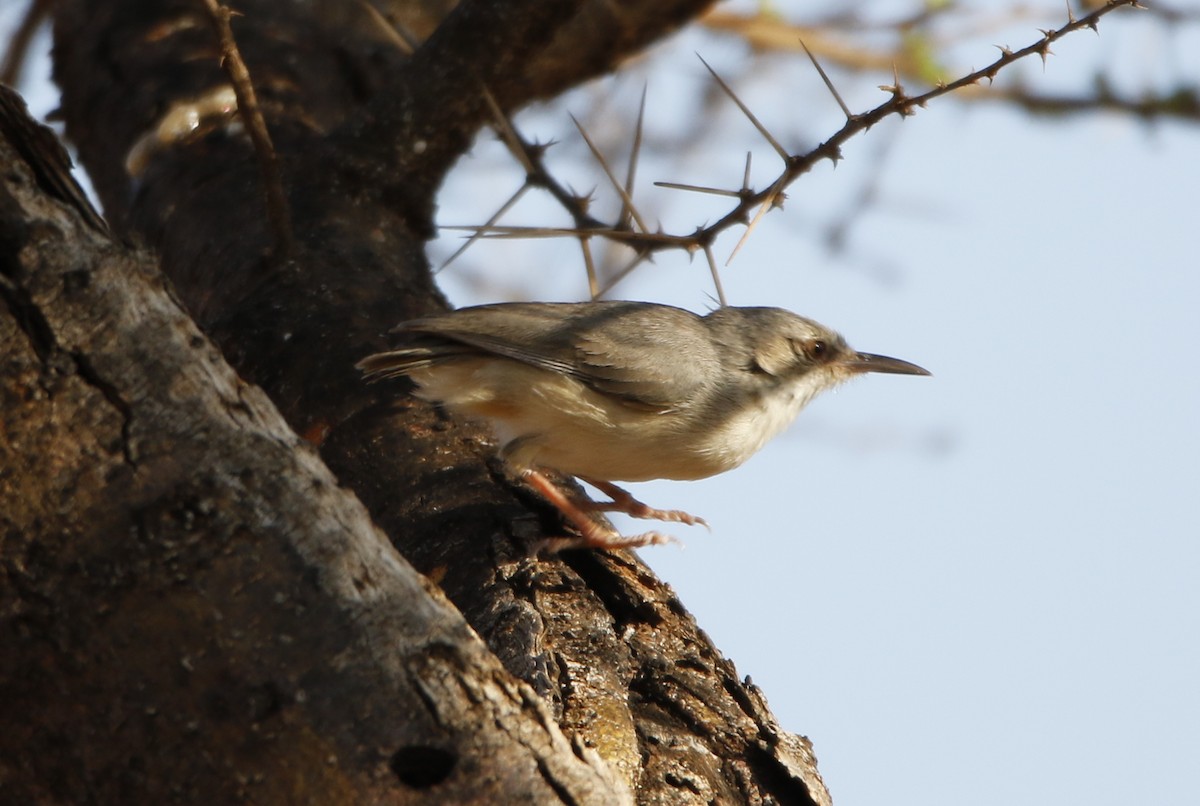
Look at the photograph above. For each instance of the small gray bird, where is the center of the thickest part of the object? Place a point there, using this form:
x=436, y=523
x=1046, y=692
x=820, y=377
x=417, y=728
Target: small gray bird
x=623, y=391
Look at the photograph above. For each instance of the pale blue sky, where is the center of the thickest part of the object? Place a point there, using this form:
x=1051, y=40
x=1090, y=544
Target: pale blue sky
x=982, y=587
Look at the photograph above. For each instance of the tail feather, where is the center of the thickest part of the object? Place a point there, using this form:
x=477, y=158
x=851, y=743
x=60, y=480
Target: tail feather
x=394, y=363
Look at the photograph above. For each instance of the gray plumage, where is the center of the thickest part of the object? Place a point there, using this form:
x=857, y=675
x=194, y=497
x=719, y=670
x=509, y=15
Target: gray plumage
x=624, y=390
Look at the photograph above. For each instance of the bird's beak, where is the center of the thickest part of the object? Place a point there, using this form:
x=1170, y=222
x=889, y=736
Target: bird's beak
x=869, y=362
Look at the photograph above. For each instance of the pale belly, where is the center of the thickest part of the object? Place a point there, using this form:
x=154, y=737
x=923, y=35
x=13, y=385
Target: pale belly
x=552, y=421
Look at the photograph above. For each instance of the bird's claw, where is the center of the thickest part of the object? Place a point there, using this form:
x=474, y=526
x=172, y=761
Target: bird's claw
x=606, y=539
x=593, y=534
x=624, y=502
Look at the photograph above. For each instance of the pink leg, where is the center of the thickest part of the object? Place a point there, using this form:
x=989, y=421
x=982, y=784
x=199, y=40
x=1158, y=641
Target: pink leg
x=592, y=534
x=622, y=501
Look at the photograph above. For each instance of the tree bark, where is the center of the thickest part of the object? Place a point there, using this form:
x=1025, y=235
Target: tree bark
x=194, y=610
x=183, y=573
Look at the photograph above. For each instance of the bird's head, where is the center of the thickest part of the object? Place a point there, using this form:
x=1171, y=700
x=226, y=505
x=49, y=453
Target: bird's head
x=788, y=350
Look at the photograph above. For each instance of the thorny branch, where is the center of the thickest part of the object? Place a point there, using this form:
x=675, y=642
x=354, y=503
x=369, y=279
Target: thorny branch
x=751, y=205
x=913, y=56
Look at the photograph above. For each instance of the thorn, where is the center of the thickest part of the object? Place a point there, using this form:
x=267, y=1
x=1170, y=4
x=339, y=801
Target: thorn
x=700, y=189
x=634, y=152
x=506, y=232
x=625, y=198
x=1045, y=52
x=504, y=208
x=828, y=84
x=1070, y=14
x=643, y=241
x=768, y=204
x=898, y=95
x=779, y=149
x=623, y=273
x=403, y=39
x=746, y=173
x=1004, y=49
x=508, y=134
x=583, y=201
x=716, y=274
x=589, y=265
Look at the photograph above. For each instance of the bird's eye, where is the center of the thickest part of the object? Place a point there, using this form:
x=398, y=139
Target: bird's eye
x=815, y=350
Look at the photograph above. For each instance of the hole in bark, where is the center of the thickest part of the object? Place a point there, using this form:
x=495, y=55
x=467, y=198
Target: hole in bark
x=421, y=766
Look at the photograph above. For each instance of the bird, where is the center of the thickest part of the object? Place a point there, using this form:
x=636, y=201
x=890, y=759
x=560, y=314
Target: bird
x=622, y=391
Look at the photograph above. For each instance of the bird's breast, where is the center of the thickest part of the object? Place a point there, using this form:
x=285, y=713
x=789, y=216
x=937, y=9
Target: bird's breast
x=742, y=432
x=550, y=420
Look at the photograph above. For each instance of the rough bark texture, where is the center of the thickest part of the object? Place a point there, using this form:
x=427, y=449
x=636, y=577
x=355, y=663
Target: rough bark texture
x=217, y=571
x=192, y=608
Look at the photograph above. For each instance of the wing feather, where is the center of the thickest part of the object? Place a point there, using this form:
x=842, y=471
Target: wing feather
x=650, y=356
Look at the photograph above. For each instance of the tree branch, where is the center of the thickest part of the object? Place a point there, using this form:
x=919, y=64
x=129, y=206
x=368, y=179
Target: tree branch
x=193, y=609
x=626, y=678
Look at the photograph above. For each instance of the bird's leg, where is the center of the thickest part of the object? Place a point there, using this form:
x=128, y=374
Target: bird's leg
x=592, y=534
x=623, y=501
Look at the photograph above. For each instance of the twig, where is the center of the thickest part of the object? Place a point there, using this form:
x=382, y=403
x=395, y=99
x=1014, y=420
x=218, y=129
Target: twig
x=900, y=103
x=278, y=213
x=751, y=205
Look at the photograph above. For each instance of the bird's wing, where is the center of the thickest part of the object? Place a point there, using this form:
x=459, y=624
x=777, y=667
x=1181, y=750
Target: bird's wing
x=657, y=357
x=649, y=356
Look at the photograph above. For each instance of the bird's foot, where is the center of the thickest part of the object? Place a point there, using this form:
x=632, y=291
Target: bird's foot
x=606, y=540
x=623, y=501
x=591, y=534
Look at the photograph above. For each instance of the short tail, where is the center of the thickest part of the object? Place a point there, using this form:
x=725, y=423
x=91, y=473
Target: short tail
x=393, y=363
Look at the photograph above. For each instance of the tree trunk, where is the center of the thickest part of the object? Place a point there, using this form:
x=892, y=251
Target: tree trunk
x=195, y=608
